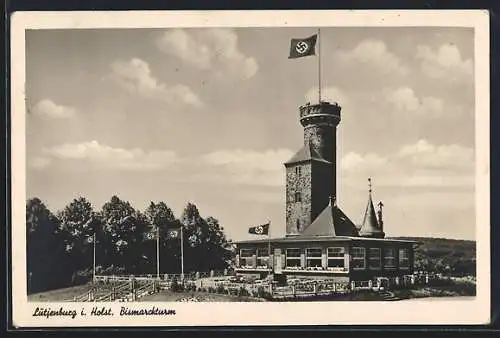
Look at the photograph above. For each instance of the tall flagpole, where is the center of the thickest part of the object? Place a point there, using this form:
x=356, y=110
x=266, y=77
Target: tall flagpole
x=157, y=252
x=319, y=67
x=182, y=253
x=93, y=264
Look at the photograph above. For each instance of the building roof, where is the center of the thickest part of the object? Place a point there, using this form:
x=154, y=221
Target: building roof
x=306, y=153
x=297, y=239
x=370, y=226
x=331, y=222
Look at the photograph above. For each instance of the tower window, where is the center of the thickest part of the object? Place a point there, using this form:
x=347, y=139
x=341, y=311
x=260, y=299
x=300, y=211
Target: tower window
x=298, y=171
x=298, y=225
x=298, y=198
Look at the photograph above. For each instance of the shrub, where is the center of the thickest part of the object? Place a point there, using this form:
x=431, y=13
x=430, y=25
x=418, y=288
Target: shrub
x=242, y=292
x=220, y=289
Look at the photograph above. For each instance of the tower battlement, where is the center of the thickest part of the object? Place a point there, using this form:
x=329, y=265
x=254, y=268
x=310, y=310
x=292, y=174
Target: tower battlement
x=324, y=112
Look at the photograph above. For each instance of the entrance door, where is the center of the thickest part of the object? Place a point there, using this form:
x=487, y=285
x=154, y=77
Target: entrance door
x=277, y=261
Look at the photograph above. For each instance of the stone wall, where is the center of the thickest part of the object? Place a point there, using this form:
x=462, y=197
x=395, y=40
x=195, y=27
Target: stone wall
x=298, y=211
x=322, y=138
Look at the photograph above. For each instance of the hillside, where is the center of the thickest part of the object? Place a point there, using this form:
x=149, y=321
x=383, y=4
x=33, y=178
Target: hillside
x=457, y=257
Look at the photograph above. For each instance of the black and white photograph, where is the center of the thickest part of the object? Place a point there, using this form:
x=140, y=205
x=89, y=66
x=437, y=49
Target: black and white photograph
x=283, y=162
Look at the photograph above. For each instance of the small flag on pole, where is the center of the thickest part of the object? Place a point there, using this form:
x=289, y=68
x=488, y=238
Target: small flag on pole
x=303, y=47
x=259, y=229
x=173, y=233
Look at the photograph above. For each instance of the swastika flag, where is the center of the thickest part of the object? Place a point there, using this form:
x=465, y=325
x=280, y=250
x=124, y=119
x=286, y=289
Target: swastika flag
x=303, y=47
x=259, y=229
x=173, y=233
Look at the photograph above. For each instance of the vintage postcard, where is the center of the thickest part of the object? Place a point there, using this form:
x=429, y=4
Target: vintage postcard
x=250, y=168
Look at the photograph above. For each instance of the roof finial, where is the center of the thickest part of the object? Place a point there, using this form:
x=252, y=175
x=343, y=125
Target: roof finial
x=370, y=185
x=333, y=201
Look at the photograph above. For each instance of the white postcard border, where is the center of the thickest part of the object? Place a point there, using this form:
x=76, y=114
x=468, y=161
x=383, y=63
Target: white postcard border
x=454, y=311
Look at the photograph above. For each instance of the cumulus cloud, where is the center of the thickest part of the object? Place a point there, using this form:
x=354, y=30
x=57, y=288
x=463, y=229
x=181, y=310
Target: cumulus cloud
x=47, y=108
x=356, y=162
x=331, y=94
x=104, y=156
x=214, y=49
x=249, y=167
x=374, y=53
x=135, y=76
x=38, y=162
x=419, y=164
x=445, y=63
x=427, y=155
x=404, y=99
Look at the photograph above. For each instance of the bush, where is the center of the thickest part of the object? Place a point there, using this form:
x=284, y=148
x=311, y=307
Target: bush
x=220, y=289
x=175, y=286
x=261, y=292
x=242, y=292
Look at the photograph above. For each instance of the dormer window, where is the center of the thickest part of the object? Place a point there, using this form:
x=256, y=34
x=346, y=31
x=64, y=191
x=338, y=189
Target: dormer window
x=298, y=197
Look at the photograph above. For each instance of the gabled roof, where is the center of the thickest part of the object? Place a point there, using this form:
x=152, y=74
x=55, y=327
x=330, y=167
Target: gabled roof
x=370, y=226
x=331, y=222
x=306, y=153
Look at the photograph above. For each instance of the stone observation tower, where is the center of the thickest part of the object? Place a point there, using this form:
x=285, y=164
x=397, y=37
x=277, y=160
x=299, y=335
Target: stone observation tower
x=310, y=173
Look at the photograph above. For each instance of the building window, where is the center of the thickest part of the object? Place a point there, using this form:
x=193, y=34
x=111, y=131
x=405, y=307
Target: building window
x=298, y=198
x=390, y=258
x=335, y=257
x=293, y=257
x=298, y=225
x=262, y=258
x=313, y=257
x=298, y=171
x=374, y=258
x=358, y=258
x=404, y=259
x=246, y=257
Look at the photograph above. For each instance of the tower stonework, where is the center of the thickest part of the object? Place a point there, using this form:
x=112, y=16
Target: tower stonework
x=310, y=173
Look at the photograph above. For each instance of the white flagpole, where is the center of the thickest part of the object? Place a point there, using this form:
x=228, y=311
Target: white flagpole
x=182, y=253
x=94, y=240
x=157, y=252
x=319, y=67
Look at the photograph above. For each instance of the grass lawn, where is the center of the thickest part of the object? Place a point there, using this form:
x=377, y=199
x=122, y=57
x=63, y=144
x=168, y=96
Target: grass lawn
x=169, y=296
x=59, y=295
x=455, y=290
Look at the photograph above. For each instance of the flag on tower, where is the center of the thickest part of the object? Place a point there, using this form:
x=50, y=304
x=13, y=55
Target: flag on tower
x=259, y=229
x=150, y=235
x=303, y=47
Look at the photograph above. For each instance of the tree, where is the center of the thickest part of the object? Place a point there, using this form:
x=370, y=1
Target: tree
x=45, y=248
x=205, y=242
x=161, y=217
x=124, y=230
x=79, y=222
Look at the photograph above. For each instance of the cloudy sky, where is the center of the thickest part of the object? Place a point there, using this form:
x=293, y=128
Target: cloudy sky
x=210, y=115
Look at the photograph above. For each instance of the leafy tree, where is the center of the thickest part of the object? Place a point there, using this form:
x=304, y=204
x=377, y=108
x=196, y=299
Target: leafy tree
x=118, y=225
x=205, y=243
x=161, y=217
x=46, y=259
x=79, y=222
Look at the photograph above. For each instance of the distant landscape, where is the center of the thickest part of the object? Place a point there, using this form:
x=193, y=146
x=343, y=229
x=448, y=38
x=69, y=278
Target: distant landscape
x=446, y=256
